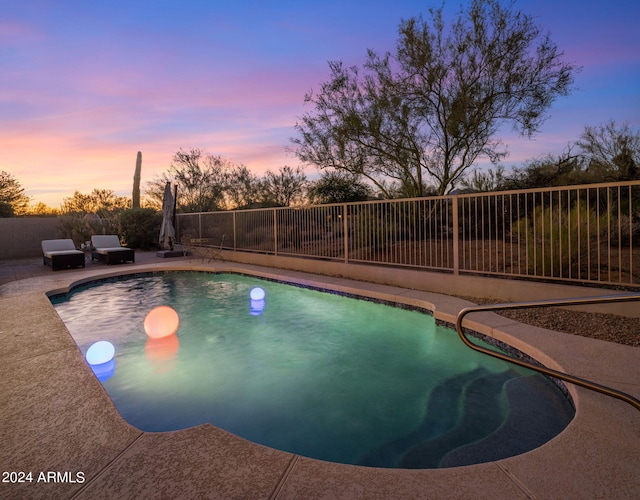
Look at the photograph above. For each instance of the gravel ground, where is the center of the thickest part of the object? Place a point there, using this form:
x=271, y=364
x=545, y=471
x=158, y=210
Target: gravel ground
x=609, y=327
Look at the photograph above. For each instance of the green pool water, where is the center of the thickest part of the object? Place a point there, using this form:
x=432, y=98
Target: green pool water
x=312, y=373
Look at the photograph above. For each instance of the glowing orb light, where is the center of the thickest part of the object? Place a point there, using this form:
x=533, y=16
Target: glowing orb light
x=256, y=307
x=161, y=322
x=162, y=349
x=257, y=293
x=100, y=352
x=104, y=371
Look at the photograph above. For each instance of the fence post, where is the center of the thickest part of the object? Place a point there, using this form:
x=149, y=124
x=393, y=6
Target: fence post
x=275, y=232
x=235, y=232
x=456, y=239
x=344, y=232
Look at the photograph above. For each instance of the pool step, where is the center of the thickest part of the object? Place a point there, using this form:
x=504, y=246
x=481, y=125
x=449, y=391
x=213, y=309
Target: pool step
x=443, y=411
x=536, y=415
x=481, y=401
x=442, y=414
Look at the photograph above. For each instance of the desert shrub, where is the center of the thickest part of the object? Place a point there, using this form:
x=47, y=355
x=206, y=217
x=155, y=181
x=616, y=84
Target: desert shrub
x=140, y=227
x=558, y=241
x=624, y=230
x=80, y=229
x=74, y=228
x=257, y=238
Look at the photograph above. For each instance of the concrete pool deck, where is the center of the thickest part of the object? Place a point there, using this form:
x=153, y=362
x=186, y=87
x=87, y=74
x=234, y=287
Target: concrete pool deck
x=58, y=423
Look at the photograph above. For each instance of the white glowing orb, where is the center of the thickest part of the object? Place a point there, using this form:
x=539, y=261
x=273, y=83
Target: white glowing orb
x=257, y=293
x=161, y=321
x=100, y=352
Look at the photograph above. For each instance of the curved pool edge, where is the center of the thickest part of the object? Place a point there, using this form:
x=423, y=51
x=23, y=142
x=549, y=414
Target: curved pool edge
x=65, y=421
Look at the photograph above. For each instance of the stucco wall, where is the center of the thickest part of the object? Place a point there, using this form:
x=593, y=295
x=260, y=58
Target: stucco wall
x=21, y=236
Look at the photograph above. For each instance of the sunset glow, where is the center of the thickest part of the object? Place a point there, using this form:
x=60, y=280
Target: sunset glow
x=86, y=85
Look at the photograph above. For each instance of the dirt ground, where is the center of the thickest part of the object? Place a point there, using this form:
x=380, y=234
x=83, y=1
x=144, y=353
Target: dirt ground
x=609, y=327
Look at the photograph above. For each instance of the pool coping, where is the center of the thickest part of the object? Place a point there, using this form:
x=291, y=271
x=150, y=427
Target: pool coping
x=59, y=418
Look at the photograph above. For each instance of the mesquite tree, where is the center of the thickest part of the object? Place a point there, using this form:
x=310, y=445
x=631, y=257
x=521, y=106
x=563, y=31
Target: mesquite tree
x=286, y=187
x=612, y=152
x=430, y=110
x=201, y=180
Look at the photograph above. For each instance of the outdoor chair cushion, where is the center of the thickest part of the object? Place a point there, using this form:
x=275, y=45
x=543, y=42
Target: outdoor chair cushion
x=61, y=254
x=58, y=247
x=112, y=249
x=106, y=242
x=108, y=249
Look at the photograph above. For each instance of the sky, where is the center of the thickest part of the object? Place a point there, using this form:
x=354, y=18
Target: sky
x=85, y=85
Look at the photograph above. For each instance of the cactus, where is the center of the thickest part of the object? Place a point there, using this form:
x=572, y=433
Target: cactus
x=136, y=182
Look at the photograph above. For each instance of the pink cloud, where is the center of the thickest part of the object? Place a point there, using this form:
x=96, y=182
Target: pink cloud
x=57, y=164
x=13, y=33
x=82, y=104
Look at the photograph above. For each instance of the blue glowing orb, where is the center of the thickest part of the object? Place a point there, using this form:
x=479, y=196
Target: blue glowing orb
x=256, y=307
x=100, y=352
x=257, y=293
x=104, y=371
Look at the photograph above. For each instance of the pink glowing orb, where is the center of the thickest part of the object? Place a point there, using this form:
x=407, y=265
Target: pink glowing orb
x=161, y=322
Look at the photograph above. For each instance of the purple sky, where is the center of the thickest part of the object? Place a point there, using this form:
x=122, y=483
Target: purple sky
x=86, y=85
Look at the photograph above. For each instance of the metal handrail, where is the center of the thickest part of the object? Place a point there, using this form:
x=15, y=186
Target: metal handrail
x=541, y=369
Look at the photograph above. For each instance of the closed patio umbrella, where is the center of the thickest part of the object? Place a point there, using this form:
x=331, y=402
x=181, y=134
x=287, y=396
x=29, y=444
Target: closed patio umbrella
x=167, y=232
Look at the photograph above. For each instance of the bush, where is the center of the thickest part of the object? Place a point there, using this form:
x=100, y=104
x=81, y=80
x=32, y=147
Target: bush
x=80, y=229
x=625, y=230
x=140, y=227
x=557, y=241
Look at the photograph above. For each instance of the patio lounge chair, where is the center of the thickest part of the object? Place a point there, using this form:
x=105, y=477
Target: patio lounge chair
x=61, y=254
x=107, y=248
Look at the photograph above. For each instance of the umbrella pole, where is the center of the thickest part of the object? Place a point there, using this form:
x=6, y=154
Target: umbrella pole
x=175, y=202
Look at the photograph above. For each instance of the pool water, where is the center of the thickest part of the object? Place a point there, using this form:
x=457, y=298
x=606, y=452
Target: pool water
x=312, y=373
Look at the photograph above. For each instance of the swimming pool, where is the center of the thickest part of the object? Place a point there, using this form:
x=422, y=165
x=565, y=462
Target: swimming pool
x=311, y=373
